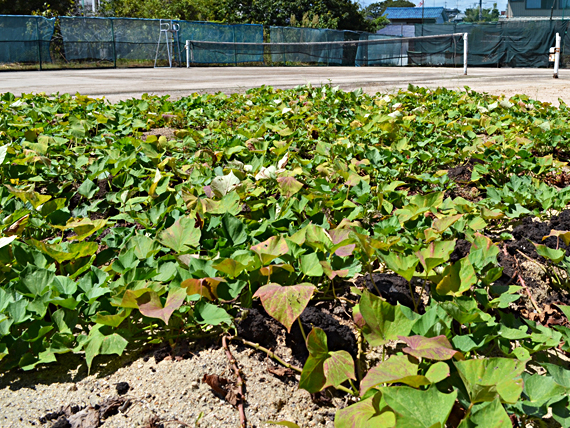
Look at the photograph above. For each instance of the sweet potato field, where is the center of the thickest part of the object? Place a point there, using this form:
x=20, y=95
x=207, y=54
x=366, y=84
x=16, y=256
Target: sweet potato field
x=412, y=248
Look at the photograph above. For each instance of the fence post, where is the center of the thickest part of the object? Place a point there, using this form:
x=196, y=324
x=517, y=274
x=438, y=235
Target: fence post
x=557, y=55
x=114, y=48
x=39, y=43
x=465, y=51
x=235, y=48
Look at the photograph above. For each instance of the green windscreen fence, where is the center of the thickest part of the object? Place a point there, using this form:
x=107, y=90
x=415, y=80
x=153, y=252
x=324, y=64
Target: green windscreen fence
x=501, y=44
x=25, y=39
x=81, y=42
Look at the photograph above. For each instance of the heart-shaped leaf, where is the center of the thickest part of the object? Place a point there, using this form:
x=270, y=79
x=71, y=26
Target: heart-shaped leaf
x=486, y=379
x=182, y=235
x=150, y=305
x=384, y=322
x=433, y=348
x=285, y=304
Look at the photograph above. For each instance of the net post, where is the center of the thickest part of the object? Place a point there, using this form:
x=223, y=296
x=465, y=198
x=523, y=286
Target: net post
x=39, y=43
x=187, y=53
x=465, y=51
x=556, y=55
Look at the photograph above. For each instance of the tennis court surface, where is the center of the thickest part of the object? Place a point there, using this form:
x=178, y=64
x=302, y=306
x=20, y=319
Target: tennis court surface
x=117, y=84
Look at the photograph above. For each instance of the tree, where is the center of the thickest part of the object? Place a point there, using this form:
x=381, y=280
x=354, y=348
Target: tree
x=376, y=10
x=190, y=10
x=37, y=7
x=339, y=14
x=489, y=15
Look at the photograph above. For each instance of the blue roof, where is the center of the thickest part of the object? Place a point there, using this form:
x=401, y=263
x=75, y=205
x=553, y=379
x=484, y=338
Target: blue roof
x=414, y=12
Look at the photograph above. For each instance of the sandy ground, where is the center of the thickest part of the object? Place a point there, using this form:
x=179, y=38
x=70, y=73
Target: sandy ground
x=126, y=83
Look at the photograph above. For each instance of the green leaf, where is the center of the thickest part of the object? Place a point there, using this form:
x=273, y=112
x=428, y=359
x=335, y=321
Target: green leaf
x=438, y=372
x=34, y=282
x=235, y=229
x=384, y=322
x=435, y=254
x=458, y=278
x=313, y=377
x=492, y=415
x=230, y=267
x=150, y=305
x=285, y=304
x=555, y=256
x=88, y=189
x=309, y=264
x=270, y=249
x=433, y=348
x=369, y=413
x=99, y=344
x=404, y=266
x=486, y=379
x=417, y=408
x=483, y=252
x=63, y=252
x=206, y=313
x=182, y=235
x=143, y=246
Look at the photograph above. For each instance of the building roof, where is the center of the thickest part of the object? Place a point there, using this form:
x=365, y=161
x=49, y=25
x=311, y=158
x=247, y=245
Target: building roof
x=414, y=12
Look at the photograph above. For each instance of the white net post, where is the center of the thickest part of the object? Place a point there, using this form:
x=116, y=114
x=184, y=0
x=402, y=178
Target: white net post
x=465, y=51
x=187, y=53
x=557, y=55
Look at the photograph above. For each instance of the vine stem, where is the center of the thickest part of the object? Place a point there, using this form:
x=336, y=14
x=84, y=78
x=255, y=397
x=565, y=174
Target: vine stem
x=271, y=354
x=521, y=280
x=240, y=382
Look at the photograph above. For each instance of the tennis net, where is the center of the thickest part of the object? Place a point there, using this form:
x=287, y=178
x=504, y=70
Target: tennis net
x=368, y=50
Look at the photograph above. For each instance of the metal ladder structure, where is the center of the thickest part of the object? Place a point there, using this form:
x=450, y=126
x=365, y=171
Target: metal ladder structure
x=170, y=30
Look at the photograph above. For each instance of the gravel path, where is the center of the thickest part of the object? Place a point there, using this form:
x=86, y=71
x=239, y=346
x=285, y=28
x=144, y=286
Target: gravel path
x=169, y=390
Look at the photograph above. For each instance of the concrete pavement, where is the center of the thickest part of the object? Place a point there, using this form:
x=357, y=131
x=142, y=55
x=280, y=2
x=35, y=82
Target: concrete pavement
x=116, y=84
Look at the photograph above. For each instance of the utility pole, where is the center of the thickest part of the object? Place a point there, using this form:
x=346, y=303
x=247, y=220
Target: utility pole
x=480, y=10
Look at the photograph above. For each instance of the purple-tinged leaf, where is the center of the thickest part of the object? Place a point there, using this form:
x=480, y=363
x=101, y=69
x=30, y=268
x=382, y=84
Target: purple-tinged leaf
x=338, y=367
x=433, y=348
x=285, y=304
x=330, y=273
x=150, y=305
x=288, y=186
x=392, y=370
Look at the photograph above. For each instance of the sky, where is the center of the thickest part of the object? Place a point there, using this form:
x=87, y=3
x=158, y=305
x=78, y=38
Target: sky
x=460, y=4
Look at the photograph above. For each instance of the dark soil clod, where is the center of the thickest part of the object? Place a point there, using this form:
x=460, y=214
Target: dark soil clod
x=122, y=388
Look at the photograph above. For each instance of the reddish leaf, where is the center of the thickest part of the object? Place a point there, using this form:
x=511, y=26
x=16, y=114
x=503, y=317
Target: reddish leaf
x=285, y=304
x=328, y=270
x=338, y=367
x=289, y=186
x=205, y=287
x=433, y=348
x=150, y=306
